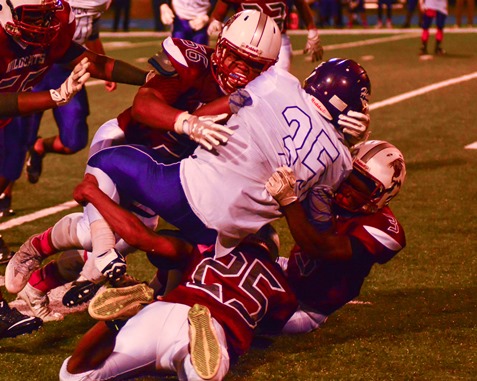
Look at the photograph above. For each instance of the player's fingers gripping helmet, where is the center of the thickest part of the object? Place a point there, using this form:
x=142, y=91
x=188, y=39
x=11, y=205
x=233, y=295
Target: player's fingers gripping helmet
x=338, y=86
x=30, y=21
x=251, y=36
x=378, y=174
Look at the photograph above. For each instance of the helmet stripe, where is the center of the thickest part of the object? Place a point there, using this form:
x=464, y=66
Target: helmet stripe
x=257, y=36
x=373, y=151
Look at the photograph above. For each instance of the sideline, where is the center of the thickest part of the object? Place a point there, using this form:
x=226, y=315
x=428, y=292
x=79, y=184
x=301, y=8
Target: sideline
x=390, y=101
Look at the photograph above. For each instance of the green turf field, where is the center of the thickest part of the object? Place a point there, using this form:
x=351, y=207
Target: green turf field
x=417, y=315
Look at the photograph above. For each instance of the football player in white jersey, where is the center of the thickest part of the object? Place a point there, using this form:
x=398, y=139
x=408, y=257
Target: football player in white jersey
x=327, y=269
x=220, y=196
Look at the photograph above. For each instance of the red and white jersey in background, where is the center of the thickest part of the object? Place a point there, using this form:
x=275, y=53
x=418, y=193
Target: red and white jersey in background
x=324, y=286
x=243, y=290
x=277, y=10
x=188, y=86
x=22, y=66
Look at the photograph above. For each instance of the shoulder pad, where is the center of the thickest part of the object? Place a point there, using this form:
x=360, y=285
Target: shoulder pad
x=186, y=58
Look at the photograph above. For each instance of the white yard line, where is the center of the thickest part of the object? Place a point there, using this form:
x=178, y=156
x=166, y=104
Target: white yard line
x=37, y=215
x=387, y=102
x=372, y=41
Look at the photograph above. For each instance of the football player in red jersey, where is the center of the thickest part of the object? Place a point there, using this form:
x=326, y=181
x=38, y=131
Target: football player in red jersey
x=279, y=11
x=226, y=299
x=327, y=270
x=162, y=116
x=35, y=34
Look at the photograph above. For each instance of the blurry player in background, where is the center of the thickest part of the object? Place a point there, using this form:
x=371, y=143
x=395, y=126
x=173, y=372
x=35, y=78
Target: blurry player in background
x=70, y=118
x=327, y=269
x=162, y=118
x=35, y=34
x=433, y=9
x=279, y=11
x=189, y=19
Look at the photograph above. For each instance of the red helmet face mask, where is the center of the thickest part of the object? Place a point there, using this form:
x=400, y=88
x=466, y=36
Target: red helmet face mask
x=32, y=21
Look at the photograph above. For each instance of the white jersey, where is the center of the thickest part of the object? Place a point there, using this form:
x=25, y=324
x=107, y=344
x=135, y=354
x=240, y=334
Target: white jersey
x=227, y=189
x=188, y=10
x=87, y=14
x=436, y=5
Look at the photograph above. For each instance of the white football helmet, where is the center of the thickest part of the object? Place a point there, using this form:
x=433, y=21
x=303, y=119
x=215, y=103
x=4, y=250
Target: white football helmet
x=381, y=168
x=252, y=36
x=30, y=21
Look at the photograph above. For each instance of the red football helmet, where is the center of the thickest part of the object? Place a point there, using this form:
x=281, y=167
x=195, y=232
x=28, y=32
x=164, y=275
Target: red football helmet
x=378, y=174
x=30, y=21
x=252, y=37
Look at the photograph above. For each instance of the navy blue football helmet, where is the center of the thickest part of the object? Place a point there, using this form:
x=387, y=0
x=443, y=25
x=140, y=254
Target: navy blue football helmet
x=338, y=86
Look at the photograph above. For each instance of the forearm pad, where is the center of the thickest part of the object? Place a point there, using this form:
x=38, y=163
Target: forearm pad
x=126, y=73
x=9, y=105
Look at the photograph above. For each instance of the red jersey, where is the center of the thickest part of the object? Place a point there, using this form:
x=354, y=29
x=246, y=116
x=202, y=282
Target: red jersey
x=277, y=10
x=242, y=290
x=325, y=285
x=23, y=66
x=188, y=85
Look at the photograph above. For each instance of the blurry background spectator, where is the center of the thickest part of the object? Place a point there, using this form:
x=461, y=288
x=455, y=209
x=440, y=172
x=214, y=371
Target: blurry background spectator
x=356, y=8
x=389, y=13
x=411, y=6
x=156, y=15
x=121, y=8
x=459, y=10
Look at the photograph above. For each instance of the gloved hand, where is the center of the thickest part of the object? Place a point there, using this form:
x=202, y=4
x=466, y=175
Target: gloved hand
x=167, y=14
x=73, y=83
x=313, y=46
x=281, y=186
x=203, y=129
x=199, y=22
x=215, y=27
x=355, y=126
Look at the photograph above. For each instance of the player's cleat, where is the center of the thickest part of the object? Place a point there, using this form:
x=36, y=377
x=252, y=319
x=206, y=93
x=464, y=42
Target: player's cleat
x=6, y=206
x=204, y=346
x=38, y=302
x=13, y=323
x=438, y=51
x=5, y=253
x=120, y=303
x=423, y=51
x=34, y=166
x=81, y=292
x=20, y=267
x=111, y=264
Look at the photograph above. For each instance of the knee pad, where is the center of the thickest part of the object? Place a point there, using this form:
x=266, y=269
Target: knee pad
x=64, y=234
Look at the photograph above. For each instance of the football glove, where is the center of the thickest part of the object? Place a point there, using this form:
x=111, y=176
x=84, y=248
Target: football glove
x=281, y=186
x=313, y=46
x=203, y=129
x=167, y=14
x=73, y=83
x=199, y=22
x=215, y=27
x=355, y=126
